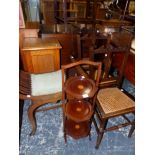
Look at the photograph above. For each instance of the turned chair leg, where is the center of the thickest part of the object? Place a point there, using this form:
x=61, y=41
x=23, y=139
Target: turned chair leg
x=100, y=133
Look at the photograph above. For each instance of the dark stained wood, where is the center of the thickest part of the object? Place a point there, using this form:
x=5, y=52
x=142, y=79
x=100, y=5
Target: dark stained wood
x=76, y=130
x=129, y=72
x=21, y=105
x=108, y=54
x=80, y=86
x=115, y=22
x=77, y=111
x=111, y=102
x=117, y=43
x=70, y=45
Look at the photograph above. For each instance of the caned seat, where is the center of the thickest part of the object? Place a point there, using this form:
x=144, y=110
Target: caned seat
x=114, y=101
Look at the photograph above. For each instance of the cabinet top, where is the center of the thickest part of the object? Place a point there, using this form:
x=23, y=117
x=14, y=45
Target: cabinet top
x=40, y=43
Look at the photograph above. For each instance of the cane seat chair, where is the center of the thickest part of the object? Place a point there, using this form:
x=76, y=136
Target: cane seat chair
x=112, y=101
x=40, y=89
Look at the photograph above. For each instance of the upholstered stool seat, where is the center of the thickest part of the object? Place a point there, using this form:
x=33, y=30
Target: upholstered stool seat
x=46, y=83
x=40, y=89
x=112, y=100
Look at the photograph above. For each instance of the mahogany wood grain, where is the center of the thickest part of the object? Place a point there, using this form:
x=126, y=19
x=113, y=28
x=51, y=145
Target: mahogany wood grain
x=78, y=110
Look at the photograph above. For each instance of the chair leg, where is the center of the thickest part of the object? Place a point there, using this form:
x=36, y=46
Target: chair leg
x=65, y=137
x=21, y=105
x=32, y=119
x=100, y=133
x=131, y=130
x=31, y=115
x=99, y=138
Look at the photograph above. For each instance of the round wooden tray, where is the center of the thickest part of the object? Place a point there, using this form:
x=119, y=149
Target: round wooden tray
x=80, y=87
x=78, y=110
x=77, y=130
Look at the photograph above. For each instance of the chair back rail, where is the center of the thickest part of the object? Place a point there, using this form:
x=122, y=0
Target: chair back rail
x=117, y=43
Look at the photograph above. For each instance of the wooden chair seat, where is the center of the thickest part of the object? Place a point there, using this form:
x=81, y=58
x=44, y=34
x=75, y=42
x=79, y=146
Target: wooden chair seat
x=114, y=101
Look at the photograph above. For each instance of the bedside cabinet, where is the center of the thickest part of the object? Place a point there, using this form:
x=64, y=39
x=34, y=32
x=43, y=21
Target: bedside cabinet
x=40, y=55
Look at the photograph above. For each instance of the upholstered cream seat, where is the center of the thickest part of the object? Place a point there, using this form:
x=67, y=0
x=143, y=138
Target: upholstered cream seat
x=46, y=83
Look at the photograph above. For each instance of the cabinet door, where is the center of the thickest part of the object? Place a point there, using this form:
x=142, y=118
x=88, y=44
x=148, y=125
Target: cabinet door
x=42, y=61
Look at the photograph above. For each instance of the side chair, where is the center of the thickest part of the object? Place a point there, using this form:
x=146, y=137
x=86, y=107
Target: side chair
x=112, y=101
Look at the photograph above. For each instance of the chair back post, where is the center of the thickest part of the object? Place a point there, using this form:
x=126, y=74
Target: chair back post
x=121, y=73
x=122, y=43
x=79, y=47
x=117, y=42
